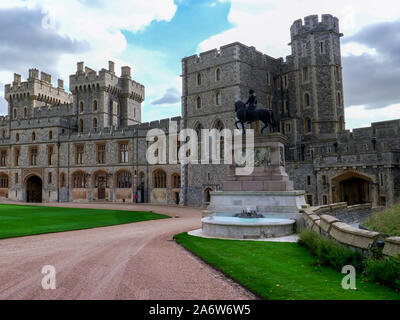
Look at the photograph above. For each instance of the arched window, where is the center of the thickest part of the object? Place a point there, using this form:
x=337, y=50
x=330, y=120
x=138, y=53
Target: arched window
x=81, y=107
x=218, y=98
x=219, y=125
x=80, y=127
x=25, y=112
x=176, y=180
x=306, y=100
x=50, y=135
x=159, y=179
x=218, y=74
x=94, y=124
x=33, y=136
x=79, y=180
x=124, y=180
x=307, y=125
x=95, y=105
x=198, y=78
x=198, y=102
x=3, y=181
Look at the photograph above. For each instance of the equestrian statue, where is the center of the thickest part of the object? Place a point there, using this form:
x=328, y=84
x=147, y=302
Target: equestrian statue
x=247, y=112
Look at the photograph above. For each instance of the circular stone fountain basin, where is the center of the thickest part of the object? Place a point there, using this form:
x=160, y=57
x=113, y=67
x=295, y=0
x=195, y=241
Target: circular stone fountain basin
x=246, y=228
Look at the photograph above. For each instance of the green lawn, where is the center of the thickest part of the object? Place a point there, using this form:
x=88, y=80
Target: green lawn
x=279, y=271
x=21, y=220
x=386, y=221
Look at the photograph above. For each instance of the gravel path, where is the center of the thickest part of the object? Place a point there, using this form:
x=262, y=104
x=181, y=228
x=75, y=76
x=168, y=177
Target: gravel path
x=132, y=261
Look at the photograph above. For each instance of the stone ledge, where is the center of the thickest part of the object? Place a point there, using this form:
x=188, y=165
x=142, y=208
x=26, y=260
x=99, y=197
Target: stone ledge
x=326, y=222
x=392, y=246
x=355, y=237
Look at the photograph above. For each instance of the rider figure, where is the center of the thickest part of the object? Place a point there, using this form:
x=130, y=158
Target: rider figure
x=251, y=102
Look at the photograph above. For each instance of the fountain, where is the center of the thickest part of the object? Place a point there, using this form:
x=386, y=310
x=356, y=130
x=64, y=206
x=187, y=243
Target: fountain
x=260, y=205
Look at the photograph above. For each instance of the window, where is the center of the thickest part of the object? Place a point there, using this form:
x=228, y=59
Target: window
x=3, y=158
x=80, y=127
x=321, y=47
x=268, y=78
x=25, y=112
x=101, y=153
x=218, y=74
x=95, y=105
x=94, y=124
x=308, y=180
x=198, y=102
x=198, y=79
x=49, y=178
x=81, y=107
x=16, y=178
x=50, y=135
x=285, y=106
x=306, y=100
x=16, y=157
x=33, y=156
x=305, y=74
x=159, y=179
x=123, y=152
x=207, y=195
x=79, y=154
x=309, y=199
x=339, y=99
x=62, y=180
x=324, y=180
x=382, y=179
x=304, y=50
x=307, y=125
x=176, y=180
x=50, y=151
x=3, y=181
x=79, y=180
x=285, y=81
x=33, y=136
x=15, y=113
x=218, y=98
x=324, y=199
x=382, y=201
x=337, y=73
x=124, y=180
x=287, y=127
x=17, y=137
x=220, y=126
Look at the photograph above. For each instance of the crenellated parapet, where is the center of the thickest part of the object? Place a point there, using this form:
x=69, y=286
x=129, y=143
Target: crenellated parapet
x=313, y=24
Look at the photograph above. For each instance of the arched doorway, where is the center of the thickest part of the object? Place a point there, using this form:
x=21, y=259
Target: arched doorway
x=351, y=187
x=34, y=189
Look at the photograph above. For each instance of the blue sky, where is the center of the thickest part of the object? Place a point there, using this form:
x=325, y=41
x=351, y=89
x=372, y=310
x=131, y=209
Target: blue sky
x=153, y=36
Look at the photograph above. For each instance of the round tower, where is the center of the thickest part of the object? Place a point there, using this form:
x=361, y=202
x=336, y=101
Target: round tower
x=317, y=59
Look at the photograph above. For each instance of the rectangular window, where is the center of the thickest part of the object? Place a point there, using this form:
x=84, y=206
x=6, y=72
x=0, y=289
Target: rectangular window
x=50, y=178
x=382, y=179
x=309, y=199
x=16, y=157
x=268, y=78
x=308, y=180
x=285, y=81
x=16, y=178
x=123, y=152
x=305, y=74
x=324, y=179
x=3, y=158
x=285, y=106
x=33, y=156
x=321, y=47
x=79, y=154
x=50, y=151
x=324, y=199
x=287, y=128
x=337, y=73
x=101, y=153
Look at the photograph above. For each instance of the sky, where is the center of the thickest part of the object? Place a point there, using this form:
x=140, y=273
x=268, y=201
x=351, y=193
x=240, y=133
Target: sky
x=153, y=36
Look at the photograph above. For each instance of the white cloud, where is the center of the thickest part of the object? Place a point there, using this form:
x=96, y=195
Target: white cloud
x=266, y=24
x=360, y=116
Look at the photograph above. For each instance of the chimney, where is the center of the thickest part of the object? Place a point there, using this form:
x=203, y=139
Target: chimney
x=126, y=72
x=79, y=67
x=111, y=66
x=17, y=79
x=60, y=84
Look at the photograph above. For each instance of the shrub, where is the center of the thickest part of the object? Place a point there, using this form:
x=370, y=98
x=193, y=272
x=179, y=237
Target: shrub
x=329, y=253
x=384, y=271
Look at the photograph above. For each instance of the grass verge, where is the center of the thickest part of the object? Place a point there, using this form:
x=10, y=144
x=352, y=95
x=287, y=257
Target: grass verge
x=21, y=220
x=386, y=221
x=279, y=271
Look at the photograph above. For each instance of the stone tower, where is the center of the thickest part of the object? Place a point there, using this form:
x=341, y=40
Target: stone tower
x=319, y=89
x=104, y=100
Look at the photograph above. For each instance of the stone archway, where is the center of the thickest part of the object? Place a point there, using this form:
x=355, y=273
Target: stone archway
x=34, y=189
x=352, y=187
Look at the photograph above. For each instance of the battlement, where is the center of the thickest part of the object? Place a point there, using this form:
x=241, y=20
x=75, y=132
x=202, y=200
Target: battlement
x=37, y=89
x=312, y=23
x=88, y=79
x=4, y=120
x=231, y=52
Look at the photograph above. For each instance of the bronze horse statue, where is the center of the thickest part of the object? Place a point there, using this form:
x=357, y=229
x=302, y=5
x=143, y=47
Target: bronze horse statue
x=267, y=117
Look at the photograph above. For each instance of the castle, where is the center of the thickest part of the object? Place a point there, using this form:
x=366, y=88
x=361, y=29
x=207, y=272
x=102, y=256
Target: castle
x=90, y=145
